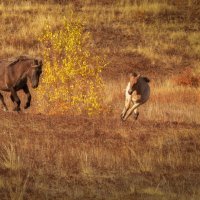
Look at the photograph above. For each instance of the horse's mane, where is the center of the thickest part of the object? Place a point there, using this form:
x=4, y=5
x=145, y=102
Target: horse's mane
x=146, y=79
x=12, y=61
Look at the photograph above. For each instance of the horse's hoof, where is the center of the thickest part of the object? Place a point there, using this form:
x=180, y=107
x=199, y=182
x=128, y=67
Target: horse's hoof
x=5, y=109
x=122, y=118
x=17, y=109
x=26, y=106
x=136, y=116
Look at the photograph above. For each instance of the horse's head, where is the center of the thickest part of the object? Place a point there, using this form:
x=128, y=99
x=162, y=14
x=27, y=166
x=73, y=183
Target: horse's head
x=34, y=72
x=133, y=81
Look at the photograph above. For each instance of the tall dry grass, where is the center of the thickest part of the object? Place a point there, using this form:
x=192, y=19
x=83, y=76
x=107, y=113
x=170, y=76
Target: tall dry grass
x=105, y=159
x=75, y=157
x=168, y=101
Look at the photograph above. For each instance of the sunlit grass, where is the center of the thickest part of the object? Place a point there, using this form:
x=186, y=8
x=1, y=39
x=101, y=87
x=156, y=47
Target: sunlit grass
x=168, y=101
x=77, y=157
x=138, y=158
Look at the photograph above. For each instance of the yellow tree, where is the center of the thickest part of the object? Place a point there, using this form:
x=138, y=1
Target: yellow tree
x=71, y=73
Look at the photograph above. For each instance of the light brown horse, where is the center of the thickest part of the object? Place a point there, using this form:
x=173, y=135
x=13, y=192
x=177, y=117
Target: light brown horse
x=14, y=73
x=137, y=93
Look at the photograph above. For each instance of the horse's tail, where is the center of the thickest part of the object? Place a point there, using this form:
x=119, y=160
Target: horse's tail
x=146, y=79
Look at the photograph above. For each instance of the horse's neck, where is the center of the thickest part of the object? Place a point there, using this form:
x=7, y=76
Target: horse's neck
x=127, y=87
x=23, y=70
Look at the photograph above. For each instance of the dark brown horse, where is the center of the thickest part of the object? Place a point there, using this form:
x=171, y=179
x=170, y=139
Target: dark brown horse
x=14, y=74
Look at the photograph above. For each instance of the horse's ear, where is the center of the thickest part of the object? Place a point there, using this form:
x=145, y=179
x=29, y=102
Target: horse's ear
x=138, y=76
x=133, y=74
x=38, y=62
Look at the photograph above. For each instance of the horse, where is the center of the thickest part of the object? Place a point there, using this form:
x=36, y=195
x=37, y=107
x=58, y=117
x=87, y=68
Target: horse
x=137, y=92
x=14, y=75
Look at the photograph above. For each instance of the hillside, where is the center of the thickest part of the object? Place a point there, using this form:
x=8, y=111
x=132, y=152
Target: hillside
x=151, y=38
x=78, y=156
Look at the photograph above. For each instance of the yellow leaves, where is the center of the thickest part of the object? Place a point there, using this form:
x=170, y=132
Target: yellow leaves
x=69, y=80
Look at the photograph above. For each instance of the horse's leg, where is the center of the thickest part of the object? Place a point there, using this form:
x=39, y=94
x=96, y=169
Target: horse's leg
x=136, y=114
x=129, y=112
x=28, y=94
x=126, y=107
x=16, y=99
x=12, y=98
x=3, y=102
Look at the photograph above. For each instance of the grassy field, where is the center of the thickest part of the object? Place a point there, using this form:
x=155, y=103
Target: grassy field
x=81, y=157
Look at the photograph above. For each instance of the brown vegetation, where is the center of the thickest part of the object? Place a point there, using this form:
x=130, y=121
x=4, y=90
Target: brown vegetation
x=77, y=157
x=187, y=78
x=81, y=157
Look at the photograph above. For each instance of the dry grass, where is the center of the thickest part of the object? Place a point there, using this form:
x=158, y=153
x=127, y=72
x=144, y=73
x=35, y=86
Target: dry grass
x=76, y=157
x=168, y=101
x=25, y=24
x=101, y=158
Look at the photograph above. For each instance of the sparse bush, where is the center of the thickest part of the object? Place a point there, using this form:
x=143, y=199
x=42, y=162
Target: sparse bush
x=71, y=77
